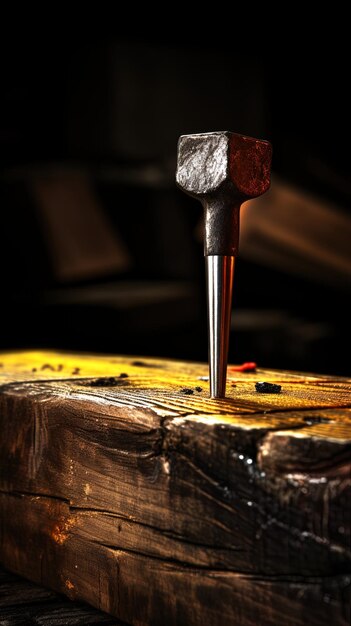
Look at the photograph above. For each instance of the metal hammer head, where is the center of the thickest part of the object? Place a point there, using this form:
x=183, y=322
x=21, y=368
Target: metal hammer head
x=222, y=170
x=208, y=162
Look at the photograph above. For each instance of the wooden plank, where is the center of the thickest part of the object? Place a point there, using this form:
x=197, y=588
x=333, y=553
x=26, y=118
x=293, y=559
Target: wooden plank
x=181, y=507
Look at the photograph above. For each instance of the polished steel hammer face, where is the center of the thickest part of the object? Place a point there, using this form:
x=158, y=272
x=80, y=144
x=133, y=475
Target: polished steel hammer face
x=222, y=170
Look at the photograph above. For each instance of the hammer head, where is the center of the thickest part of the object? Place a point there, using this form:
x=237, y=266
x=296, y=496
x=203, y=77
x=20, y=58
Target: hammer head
x=209, y=162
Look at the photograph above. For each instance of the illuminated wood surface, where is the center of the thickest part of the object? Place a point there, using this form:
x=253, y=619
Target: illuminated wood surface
x=123, y=484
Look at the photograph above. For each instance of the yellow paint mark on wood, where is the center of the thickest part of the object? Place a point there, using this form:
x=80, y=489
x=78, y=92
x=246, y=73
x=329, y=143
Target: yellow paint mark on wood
x=162, y=386
x=45, y=365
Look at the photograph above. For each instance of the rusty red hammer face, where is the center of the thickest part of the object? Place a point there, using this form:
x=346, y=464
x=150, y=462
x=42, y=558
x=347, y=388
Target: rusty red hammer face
x=222, y=170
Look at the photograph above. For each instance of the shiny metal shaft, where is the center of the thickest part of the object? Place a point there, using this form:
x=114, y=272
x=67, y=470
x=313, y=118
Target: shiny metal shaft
x=220, y=273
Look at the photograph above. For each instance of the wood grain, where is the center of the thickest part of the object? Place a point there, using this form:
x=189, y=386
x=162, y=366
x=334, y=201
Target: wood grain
x=125, y=485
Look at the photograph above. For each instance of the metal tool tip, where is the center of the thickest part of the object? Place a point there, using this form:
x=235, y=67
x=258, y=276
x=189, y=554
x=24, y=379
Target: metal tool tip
x=220, y=273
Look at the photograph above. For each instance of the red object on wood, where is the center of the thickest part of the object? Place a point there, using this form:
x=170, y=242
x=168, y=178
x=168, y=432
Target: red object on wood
x=245, y=367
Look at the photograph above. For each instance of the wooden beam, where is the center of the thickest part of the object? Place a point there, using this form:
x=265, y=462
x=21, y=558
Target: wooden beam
x=23, y=603
x=125, y=485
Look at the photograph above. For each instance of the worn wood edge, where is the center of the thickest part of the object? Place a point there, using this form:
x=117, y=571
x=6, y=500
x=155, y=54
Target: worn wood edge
x=332, y=424
x=167, y=402
x=160, y=383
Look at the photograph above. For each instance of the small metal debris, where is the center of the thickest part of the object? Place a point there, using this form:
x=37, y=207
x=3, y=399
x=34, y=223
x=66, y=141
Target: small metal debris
x=263, y=387
x=123, y=375
x=187, y=391
x=198, y=389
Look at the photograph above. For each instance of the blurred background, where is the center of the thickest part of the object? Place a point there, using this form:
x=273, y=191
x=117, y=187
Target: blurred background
x=101, y=252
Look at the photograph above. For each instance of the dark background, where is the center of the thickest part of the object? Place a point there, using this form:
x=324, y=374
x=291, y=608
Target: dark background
x=113, y=111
